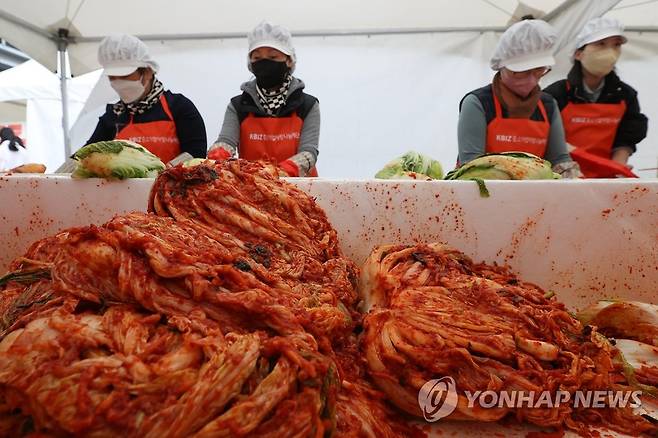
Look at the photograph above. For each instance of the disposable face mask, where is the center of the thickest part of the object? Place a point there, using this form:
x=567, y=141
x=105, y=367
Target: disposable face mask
x=599, y=62
x=522, y=85
x=269, y=73
x=128, y=91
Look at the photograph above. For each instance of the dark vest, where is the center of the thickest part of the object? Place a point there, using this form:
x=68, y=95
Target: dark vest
x=298, y=101
x=485, y=96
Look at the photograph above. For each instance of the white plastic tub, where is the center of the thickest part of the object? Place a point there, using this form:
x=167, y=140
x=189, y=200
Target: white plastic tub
x=585, y=240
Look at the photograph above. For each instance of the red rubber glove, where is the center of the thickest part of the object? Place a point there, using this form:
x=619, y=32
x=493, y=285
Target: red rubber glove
x=289, y=167
x=219, y=154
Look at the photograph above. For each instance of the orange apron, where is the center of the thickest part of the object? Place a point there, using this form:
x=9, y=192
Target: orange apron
x=273, y=139
x=517, y=135
x=592, y=127
x=158, y=137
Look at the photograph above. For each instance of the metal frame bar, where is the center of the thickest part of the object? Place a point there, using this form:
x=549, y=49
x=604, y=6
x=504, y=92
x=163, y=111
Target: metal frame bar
x=329, y=33
x=303, y=33
x=62, y=49
x=27, y=25
x=10, y=56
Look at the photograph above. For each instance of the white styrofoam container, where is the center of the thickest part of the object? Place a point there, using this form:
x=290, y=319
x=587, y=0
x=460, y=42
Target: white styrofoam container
x=585, y=240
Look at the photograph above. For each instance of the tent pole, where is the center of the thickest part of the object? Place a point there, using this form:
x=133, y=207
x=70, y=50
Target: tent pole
x=62, y=47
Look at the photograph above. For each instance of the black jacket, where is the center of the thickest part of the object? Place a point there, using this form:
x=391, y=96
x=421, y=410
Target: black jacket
x=632, y=128
x=190, y=128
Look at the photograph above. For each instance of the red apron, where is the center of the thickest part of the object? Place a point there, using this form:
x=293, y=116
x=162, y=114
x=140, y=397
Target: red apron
x=518, y=135
x=158, y=137
x=591, y=128
x=273, y=139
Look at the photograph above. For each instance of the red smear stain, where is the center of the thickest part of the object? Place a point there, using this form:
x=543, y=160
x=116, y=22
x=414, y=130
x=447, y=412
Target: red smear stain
x=16, y=230
x=520, y=235
x=606, y=212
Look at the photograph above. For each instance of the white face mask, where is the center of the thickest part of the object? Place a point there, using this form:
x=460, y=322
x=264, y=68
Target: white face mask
x=599, y=61
x=128, y=91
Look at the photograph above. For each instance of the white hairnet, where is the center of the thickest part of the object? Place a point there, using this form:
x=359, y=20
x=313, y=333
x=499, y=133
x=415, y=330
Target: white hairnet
x=598, y=29
x=525, y=45
x=122, y=54
x=274, y=36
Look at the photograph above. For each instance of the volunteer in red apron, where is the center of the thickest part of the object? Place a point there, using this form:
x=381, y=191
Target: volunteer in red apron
x=601, y=114
x=166, y=123
x=512, y=113
x=273, y=119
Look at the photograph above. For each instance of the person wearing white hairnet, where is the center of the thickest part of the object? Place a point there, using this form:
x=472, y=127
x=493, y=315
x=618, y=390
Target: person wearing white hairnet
x=512, y=113
x=166, y=123
x=273, y=119
x=601, y=114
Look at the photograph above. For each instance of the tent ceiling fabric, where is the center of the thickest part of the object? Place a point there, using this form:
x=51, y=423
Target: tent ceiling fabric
x=100, y=17
x=92, y=19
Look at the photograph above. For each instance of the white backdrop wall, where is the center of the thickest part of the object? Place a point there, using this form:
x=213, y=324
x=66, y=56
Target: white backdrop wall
x=380, y=95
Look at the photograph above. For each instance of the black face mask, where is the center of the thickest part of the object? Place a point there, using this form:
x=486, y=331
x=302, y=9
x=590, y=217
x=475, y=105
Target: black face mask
x=269, y=73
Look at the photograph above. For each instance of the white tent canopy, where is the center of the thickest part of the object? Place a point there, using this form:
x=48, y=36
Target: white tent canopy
x=39, y=88
x=389, y=74
x=33, y=25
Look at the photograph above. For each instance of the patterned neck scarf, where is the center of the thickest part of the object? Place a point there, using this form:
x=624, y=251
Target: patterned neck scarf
x=517, y=107
x=141, y=106
x=273, y=100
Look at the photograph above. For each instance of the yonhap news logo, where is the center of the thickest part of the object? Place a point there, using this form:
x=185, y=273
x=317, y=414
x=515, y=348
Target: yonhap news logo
x=438, y=399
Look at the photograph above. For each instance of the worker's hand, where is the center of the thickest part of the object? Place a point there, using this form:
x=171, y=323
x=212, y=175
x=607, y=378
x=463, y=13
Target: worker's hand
x=568, y=170
x=621, y=155
x=289, y=168
x=180, y=159
x=570, y=147
x=220, y=152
